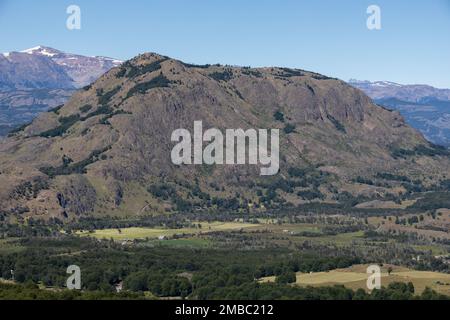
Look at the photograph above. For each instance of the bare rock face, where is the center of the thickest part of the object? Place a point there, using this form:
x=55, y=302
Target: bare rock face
x=107, y=150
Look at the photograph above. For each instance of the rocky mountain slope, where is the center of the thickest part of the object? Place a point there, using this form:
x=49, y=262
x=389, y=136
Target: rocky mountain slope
x=107, y=150
x=424, y=107
x=41, y=78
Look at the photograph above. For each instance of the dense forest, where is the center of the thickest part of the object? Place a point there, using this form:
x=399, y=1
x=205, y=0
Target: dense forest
x=185, y=273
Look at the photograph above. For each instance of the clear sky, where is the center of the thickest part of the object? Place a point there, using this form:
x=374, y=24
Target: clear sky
x=326, y=36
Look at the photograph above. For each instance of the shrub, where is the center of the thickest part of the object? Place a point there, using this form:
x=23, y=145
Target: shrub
x=85, y=108
x=289, y=128
x=279, y=116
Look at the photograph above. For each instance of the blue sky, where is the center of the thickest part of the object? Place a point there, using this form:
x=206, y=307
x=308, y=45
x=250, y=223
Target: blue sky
x=325, y=36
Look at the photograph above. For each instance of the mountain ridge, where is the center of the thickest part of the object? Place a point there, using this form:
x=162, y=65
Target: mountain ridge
x=107, y=150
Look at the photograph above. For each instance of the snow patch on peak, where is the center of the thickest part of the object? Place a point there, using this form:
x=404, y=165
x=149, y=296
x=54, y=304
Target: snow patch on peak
x=41, y=50
x=31, y=50
x=374, y=83
x=114, y=61
x=387, y=84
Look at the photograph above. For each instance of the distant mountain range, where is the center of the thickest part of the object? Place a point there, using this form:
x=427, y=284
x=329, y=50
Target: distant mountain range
x=40, y=78
x=424, y=107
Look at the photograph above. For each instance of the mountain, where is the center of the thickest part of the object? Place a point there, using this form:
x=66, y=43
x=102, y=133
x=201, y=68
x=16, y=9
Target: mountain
x=412, y=93
x=27, y=71
x=82, y=70
x=107, y=151
x=424, y=107
x=40, y=78
x=21, y=106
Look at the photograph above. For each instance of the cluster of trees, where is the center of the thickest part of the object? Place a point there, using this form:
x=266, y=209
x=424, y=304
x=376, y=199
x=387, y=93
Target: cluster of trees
x=30, y=189
x=280, y=291
x=433, y=201
x=431, y=150
x=246, y=291
x=225, y=75
x=162, y=271
x=158, y=283
x=130, y=70
x=68, y=168
x=31, y=291
x=65, y=124
x=159, y=81
x=288, y=73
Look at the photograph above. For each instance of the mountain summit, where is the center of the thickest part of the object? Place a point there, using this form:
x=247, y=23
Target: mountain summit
x=107, y=150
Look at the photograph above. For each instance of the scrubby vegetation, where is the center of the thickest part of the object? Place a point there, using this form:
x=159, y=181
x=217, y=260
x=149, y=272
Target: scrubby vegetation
x=130, y=70
x=225, y=75
x=105, y=98
x=85, y=108
x=68, y=167
x=288, y=73
x=252, y=72
x=339, y=126
x=65, y=124
x=431, y=150
x=18, y=129
x=158, y=82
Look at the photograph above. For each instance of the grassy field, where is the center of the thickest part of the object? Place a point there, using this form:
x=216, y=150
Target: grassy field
x=355, y=277
x=154, y=233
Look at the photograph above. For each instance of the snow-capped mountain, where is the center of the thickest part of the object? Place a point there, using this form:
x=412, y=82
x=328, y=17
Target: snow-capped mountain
x=410, y=92
x=424, y=107
x=21, y=71
x=81, y=70
x=37, y=79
